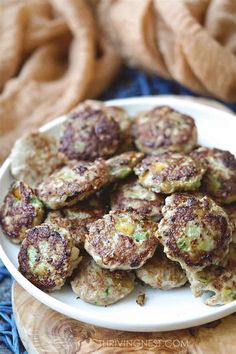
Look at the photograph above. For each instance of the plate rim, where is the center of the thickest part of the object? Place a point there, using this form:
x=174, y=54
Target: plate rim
x=69, y=311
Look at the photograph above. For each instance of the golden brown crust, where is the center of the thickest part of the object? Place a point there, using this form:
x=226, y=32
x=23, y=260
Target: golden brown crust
x=132, y=196
x=74, y=182
x=121, y=117
x=121, y=240
x=220, y=178
x=47, y=257
x=101, y=286
x=90, y=133
x=20, y=211
x=221, y=280
x=195, y=231
x=162, y=273
x=170, y=172
x=76, y=219
x=163, y=129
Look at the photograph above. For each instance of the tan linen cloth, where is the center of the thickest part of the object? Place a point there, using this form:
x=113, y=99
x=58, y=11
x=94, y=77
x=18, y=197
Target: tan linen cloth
x=55, y=53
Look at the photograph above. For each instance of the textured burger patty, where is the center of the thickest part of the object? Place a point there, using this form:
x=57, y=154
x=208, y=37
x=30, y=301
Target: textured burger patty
x=220, y=178
x=195, y=231
x=101, y=286
x=122, y=118
x=47, y=257
x=34, y=157
x=74, y=182
x=121, y=240
x=163, y=129
x=77, y=218
x=21, y=210
x=170, y=172
x=162, y=273
x=90, y=133
x=132, y=196
x=221, y=280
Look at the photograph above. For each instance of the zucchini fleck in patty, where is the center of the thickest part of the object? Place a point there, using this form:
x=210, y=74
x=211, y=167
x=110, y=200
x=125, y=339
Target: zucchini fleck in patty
x=169, y=172
x=21, y=210
x=163, y=129
x=220, y=178
x=121, y=240
x=194, y=231
x=101, y=286
x=72, y=183
x=48, y=257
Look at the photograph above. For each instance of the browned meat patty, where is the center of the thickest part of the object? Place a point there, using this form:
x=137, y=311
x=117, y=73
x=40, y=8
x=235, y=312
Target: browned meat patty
x=164, y=129
x=21, y=210
x=195, y=231
x=133, y=196
x=90, y=133
x=220, y=178
x=34, y=157
x=170, y=172
x=47, y=257
x=121, y=240
x=220, y=280
x=101, y=286
x=76, y=219
x=72, y=183
x=162, y=273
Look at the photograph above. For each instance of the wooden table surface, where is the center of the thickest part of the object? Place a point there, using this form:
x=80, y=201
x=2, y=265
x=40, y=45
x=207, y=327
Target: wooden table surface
x=43, y=330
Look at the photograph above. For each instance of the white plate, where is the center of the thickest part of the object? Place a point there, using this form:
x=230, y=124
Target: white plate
x=163, y=310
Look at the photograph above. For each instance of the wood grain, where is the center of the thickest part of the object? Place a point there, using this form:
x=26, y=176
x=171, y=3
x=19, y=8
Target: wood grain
x=43, y=330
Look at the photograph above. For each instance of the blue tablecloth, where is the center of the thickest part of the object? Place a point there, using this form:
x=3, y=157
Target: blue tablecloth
x=129, y=83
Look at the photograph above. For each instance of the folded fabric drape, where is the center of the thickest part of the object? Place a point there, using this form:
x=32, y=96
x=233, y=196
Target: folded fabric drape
x=53, y=54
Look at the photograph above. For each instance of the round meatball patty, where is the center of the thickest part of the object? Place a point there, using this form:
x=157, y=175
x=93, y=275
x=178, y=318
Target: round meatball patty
x=101, y=286
x=169, y=172
x=34, y=157
x=90, y=133
x=195, y=231
x=77, y=218
x=72, y=183
x=164, y=129
x=122, y=118
x=121, y=240
x=162, y=273
x=220, y=280
x=47, y=257
x=21, y=210
x=132, y=196
x=220, y=178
